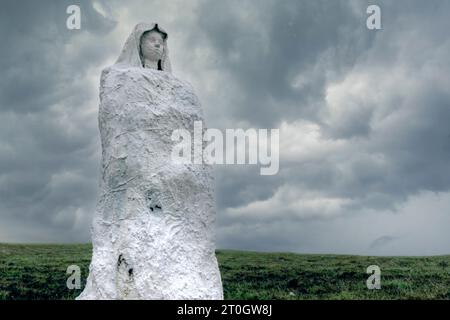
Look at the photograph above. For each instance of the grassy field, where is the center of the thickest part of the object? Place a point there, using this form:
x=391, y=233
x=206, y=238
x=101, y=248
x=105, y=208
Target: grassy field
x=39, y=272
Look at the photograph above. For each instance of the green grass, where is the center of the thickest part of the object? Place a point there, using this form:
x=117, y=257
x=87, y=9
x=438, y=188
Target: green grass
x=39, y=272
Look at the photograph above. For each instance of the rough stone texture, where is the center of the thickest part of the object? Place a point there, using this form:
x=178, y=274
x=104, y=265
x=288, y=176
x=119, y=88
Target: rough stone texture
x=153, y=230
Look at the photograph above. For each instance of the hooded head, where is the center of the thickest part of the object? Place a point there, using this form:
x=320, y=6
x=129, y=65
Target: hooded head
x=131, y=55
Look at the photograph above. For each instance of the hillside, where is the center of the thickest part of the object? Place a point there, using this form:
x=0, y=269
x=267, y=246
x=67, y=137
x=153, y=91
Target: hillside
x=39, y=272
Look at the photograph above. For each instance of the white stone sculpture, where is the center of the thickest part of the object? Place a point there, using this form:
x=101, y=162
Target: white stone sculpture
x=153, y=229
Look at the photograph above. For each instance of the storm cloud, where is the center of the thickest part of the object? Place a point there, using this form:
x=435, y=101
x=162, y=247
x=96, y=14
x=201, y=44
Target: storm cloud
x=363, y=117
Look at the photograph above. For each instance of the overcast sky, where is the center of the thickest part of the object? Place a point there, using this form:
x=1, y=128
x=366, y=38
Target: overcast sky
x=363, y=115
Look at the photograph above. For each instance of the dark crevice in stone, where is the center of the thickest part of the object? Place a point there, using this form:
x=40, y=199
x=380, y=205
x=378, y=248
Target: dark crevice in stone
x=121, y=261
x=152, y=201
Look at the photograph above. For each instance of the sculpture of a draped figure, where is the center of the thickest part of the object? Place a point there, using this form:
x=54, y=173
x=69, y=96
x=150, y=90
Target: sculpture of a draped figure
x=153, y=229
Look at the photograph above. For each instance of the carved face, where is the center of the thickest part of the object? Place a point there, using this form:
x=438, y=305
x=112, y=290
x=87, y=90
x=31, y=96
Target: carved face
x=152, y=45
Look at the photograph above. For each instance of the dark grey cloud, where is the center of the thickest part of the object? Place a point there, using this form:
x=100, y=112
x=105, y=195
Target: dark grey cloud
x=36, y=67
x=382, y=116
x=237, y=186
x=265, y=46
x=381, y=241
x=48, y=139
x=363, y=117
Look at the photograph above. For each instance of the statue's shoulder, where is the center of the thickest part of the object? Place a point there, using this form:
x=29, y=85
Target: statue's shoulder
x=110, y=75
x=186, y=84
x=106, y=72
x=117, y=72
x=118, y=69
